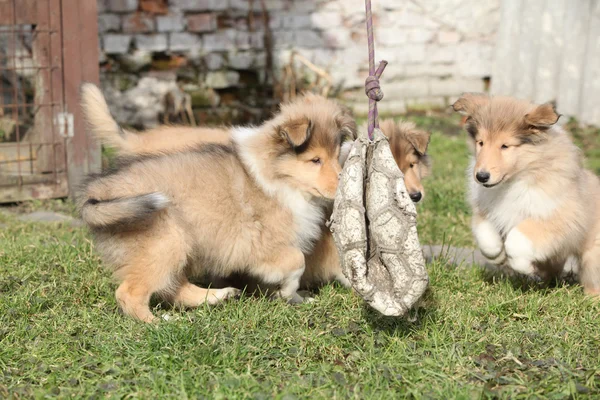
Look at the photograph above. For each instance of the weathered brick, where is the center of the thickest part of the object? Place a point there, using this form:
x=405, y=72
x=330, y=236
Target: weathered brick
x=174, y=22
x=183, y=41
x=283, y=39
x=244, y=5
x=297, y=21
x=303, y=6
x=391, y=4
x=199, y=5
x=475, y=59
x=256, y=40
x=326, y=19
x=205, y=22
x=308, y=38
x=138, y=23
x=441, y=54
x=428, y=102
x=420, y=35
x=101, y=6
x=220, y=41
x=448, y=37
x=401, y=89
x=214, y=61
x=123, y=5
x=287, y=20
x=109, y=23
x=116, y=44
x=412, y=53
x=156, y=42
x=454, y=87
x=222, y=79
x=260, y=59
x=392, y=107
x=337, y=38
x=241, y=59
x=390, y=36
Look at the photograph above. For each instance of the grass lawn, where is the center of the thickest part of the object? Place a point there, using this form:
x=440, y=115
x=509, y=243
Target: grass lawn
x=475, y=336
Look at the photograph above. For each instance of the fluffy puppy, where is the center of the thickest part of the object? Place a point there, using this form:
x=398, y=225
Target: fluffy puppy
x=409, y=148
x=250, y=207
x=534, y=205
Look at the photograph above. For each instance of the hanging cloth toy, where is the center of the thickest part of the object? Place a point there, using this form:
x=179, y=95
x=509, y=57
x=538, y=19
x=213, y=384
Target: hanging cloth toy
x=374, y=221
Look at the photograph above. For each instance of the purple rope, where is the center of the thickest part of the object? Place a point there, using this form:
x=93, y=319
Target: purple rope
x=372, y=88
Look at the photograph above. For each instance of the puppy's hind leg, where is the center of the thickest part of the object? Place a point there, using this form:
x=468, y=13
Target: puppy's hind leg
x=286, y=269
x=153, y=266
x=190, y=295
x=590, y=268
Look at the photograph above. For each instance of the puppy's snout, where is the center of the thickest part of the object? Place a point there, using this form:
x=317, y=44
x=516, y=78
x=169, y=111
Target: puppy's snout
x=416, y=196
x=482, y=176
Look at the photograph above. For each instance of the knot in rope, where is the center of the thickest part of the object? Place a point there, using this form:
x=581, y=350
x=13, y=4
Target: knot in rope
x=372, y=88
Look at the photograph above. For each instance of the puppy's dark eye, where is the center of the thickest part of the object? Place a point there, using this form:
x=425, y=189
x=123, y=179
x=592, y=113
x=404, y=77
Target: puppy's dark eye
x=316, y=161
x=504, y=147
x=480, y=143
x=412, y=165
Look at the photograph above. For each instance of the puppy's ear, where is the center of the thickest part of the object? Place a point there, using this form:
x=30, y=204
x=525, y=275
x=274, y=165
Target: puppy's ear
x=347, y=124
x=296, y=133
x=468, y=103
x=419, y=140
x=542, y=117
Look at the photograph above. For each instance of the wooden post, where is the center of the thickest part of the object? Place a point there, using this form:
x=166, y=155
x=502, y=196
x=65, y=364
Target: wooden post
x=80, y=54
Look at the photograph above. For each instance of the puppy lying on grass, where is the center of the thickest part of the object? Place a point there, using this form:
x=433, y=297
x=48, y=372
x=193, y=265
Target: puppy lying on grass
x=252, y=205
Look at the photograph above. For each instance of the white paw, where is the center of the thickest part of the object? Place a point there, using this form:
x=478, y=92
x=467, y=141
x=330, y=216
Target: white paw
x=342, y=280
x=224, y=294
x=520, y=252
x=296, y=299
x=488, y=239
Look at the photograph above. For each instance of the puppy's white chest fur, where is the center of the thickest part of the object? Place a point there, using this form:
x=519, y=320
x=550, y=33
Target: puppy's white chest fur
x=512, y=202
x=308, y=216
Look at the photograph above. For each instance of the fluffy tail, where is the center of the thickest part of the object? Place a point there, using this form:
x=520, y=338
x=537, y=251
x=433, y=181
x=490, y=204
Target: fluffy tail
x=101, y=123
x=103, y=214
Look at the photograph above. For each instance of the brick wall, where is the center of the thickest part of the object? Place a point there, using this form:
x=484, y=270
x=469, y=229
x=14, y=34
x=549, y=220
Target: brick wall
x=215, y=50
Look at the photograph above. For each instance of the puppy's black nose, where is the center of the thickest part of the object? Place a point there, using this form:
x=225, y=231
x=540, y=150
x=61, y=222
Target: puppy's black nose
x=482, y=176
x=415, y=197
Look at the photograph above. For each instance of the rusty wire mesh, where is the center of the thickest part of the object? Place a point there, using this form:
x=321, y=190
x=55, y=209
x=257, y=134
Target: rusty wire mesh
x=32, y=150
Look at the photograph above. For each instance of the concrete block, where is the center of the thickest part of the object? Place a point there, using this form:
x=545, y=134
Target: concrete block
x=152, y=43
x=185, y=42
x=122, y=5
x=116, y=43
x=138, y=23
x=174, y=22
x=205, y=22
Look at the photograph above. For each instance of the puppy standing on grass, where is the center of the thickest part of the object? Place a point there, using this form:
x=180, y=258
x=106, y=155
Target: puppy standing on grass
x=534, y=205
x=251, y=206
x=408, y=144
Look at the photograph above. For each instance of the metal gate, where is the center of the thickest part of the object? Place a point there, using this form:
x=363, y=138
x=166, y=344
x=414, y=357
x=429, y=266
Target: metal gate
x=47, y=49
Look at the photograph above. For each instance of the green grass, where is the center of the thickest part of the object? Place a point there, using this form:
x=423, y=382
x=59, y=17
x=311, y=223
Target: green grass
x=474, y=336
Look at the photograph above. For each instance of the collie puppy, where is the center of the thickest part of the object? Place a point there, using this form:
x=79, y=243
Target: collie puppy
x=535, y=207
x=408, y=144
x=409, y=148
x=251, y=206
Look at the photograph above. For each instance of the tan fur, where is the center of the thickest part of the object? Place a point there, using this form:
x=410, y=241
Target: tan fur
x=408, y=144
x=251, y=206
x=539, y=206
x=409, y=148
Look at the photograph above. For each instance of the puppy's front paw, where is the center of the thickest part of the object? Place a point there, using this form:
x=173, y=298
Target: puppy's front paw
x=296, y=298
x=520, y=252
x=342, y=280
x=489, y=240
x=224, y=294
